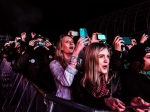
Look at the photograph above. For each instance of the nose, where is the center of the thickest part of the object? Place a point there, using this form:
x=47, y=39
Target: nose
x=106, y=59
x=71, y=42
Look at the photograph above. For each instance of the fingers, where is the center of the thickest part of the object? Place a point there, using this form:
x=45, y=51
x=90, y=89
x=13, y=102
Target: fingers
x=140, y=110
x=140, y=100
x=118, y=40
x=119, y=105
x=46, y=48
x=48, y=43
x=35, y=47
x=31, y=43
x=83, y=41
x=115, y=39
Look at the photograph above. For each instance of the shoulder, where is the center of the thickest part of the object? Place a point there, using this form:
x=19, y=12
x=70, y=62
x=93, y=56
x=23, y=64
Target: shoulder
x=54, y=63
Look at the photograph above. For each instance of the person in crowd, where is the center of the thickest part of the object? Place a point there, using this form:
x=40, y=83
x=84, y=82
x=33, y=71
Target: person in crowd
x=34, y=63
x=94, y=38
x=120, y=51
x=97, y=86
x=136, y=80
x=116, y=62
x=66, y=64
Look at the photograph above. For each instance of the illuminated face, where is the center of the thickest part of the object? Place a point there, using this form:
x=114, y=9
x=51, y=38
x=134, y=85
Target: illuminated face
x=147, y=62
x=67, y=45
x=104, y=58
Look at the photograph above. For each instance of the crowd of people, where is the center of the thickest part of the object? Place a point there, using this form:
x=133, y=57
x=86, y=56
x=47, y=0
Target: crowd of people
x=88, y=71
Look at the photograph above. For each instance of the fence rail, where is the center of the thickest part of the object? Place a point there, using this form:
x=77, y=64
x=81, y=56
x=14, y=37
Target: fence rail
x=25, y=96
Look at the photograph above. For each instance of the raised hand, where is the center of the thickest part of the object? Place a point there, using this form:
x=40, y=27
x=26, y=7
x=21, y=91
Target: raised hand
x=117, y=43
x=143, y=38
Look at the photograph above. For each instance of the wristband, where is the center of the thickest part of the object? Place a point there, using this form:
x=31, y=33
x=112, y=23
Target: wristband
x=74, y=57
x=73, y=63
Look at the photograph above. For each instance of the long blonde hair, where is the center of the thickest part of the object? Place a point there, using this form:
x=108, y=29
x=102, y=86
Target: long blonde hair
x=59, y=56
x=91, y=65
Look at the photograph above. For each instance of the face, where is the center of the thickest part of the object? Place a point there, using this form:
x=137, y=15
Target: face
x=104, y=57
x=133, y=41
x=147, y=62
x=67, y=45
x=39, y=39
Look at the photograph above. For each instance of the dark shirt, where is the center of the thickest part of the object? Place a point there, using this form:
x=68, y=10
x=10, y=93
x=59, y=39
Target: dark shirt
x=135, y=85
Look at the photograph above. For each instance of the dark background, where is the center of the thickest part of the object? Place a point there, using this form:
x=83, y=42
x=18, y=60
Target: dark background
x=52, y=18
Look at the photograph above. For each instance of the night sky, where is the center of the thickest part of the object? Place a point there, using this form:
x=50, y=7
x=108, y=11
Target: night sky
x=53, y=18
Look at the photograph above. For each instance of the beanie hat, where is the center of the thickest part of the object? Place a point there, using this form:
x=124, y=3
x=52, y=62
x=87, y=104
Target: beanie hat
x=39, y=36
x=137, y=52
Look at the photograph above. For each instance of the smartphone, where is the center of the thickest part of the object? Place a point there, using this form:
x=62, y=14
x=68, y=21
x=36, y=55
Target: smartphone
x=74, y=33
x=127, y=40
x=83, y=32
x=40, y=43
x=101, y=37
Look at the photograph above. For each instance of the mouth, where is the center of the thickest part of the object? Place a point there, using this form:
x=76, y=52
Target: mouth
x=105, y=67
x=71, y=47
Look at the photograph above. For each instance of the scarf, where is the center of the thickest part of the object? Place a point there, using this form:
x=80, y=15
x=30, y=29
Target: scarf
x=100, y=91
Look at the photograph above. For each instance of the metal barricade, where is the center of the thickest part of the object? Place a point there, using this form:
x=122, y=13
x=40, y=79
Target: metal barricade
x=28, y=97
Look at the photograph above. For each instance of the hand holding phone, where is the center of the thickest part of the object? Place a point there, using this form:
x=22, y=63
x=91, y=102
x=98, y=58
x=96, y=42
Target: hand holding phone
x=118, y=43
x=84, y=34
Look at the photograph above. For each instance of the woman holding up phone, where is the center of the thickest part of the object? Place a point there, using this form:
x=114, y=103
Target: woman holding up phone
x=66, y=64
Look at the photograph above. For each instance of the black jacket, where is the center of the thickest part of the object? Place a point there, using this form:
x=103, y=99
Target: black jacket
x=135, y=85
x=36, y=67
x=83, y=96
x=116, y=61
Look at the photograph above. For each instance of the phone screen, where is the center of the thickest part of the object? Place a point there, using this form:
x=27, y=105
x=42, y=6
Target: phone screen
x=127, y=40
x=101, y=37
x=39, y=43
x=83, y=32
x=74, y=33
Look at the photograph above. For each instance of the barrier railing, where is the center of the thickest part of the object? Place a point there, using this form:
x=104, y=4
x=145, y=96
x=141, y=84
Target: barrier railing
x=25, y=96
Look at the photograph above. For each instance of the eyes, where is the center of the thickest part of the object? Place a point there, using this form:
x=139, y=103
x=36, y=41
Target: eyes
x=102, y=56
x=68, y=41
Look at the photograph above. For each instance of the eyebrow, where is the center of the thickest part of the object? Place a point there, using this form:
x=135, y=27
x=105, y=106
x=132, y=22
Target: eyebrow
x=103, y=54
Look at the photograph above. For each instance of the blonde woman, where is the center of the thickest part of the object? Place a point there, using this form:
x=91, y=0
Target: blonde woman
x=97, y=86
x=65, y=65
